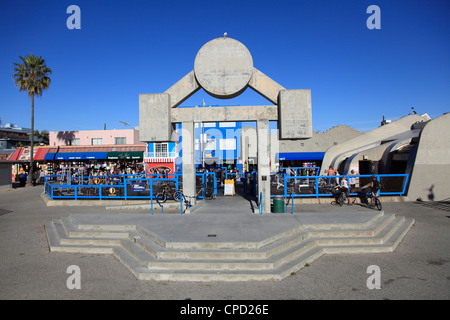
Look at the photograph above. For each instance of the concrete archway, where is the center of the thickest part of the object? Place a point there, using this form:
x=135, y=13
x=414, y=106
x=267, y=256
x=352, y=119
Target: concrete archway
x=224, y=68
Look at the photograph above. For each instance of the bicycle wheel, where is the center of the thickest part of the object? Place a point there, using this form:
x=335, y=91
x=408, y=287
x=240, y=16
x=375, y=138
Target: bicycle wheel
x=365, y=200
x=177, y=195
x=341, y=200
x=378, y=204
x=209, y=193
x=161, y=197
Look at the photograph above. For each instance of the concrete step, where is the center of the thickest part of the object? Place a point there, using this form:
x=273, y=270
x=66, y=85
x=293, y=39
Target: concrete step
x=57, y=241
x=393, y=238
x=210, y=260
x=150, y=258
x=275, y=273
x=83, y=231
x=289, y=239
x=226, y=275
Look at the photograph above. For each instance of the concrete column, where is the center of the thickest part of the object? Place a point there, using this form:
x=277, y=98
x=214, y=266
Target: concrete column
x=262, y=127
x=188, y=159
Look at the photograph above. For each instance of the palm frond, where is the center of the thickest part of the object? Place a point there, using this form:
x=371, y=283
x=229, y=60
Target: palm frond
x=32, y=75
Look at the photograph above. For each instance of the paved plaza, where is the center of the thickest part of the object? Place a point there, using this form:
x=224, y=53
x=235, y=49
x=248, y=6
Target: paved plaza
x=417, y=269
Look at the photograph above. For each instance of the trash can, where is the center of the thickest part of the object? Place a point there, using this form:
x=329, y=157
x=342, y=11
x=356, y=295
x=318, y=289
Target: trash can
x=278, y=204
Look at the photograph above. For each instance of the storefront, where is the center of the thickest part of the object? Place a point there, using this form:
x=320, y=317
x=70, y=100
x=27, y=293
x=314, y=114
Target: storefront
x=21, y=158
x=76, y=156
x=120, y=157
x=124, y=155
x=88, y=153
x=299, y=159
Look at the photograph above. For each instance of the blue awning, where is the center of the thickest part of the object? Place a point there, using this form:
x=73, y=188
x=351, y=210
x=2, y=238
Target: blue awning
x=300, y=156
x=76, y=156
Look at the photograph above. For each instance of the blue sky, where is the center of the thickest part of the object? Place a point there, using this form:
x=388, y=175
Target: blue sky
x=125, y=48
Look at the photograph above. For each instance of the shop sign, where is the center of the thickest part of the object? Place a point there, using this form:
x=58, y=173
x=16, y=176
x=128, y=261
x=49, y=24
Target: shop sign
x=138, y=187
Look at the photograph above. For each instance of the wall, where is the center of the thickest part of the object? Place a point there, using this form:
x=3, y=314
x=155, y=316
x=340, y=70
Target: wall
x=62, y=138
x=320, y=142
x=430, y=178
x=368, y=140
x=5, y=175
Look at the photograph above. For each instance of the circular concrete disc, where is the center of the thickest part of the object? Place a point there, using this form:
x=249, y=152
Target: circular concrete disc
x=223, y=67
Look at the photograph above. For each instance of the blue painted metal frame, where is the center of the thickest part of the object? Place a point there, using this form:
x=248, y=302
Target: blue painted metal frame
x=302, y=168
x=316, y=178
x=50, y=188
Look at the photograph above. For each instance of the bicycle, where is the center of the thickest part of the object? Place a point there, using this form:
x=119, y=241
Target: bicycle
x=206, y=191
x=340, y=195
x=209, y=194
x=168, y=193
x=203, y=191
x=372, y=200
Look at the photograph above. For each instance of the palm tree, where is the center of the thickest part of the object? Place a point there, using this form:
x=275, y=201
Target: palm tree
x=42, y=136
x=32, y=76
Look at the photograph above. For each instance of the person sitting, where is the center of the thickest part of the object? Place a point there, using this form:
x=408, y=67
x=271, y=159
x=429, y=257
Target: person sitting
x=374, y=187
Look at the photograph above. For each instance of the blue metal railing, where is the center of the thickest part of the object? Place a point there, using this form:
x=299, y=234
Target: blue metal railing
x=121, y=186
x=114, y=186
x=305, y=170
x=320, y=186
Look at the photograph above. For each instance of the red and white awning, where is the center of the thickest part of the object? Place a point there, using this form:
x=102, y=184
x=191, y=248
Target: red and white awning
x=159, y=160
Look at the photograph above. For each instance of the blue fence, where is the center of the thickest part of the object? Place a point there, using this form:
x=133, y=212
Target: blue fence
x=138, y=187
x=118, y=186
x=322, y=186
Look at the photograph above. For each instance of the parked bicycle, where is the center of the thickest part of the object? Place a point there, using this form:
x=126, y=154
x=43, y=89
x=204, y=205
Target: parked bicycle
x=167, y=192
x=340, y=195
x=206, y=191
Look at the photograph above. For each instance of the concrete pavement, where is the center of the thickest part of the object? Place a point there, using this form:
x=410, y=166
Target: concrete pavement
x=417, y=269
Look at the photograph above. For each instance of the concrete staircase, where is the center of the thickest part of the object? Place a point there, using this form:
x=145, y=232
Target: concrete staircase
x=149, y=257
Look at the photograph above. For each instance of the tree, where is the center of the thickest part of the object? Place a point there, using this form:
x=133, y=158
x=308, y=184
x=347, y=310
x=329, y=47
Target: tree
x=32, y=76
x=41, y=135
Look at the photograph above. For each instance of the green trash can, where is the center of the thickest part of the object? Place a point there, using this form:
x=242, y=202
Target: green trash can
x=278, y=204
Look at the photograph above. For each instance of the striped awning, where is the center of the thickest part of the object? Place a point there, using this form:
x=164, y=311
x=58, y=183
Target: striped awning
x=159, y=160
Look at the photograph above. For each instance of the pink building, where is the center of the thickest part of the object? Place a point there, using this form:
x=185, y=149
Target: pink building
x=94, y=137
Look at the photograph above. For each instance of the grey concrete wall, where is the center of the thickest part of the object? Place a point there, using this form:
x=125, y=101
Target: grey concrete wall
x=155, y=117
x=320, y=141
x=183, y=89
x=430, y=178
x=5, y=175
x=294, y=114
x=262, y=129
x=368, y=140
x=223, y=67
x=374, y=154
x=187, y=143
x=265, y=86
x=218, y=114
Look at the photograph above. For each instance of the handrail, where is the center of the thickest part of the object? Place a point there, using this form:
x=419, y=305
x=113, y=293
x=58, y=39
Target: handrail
x=316, y=179
x=261, y=203
x=313, y=185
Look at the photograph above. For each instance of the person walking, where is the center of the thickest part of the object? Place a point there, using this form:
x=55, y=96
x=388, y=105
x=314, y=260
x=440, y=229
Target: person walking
x=22, y=177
